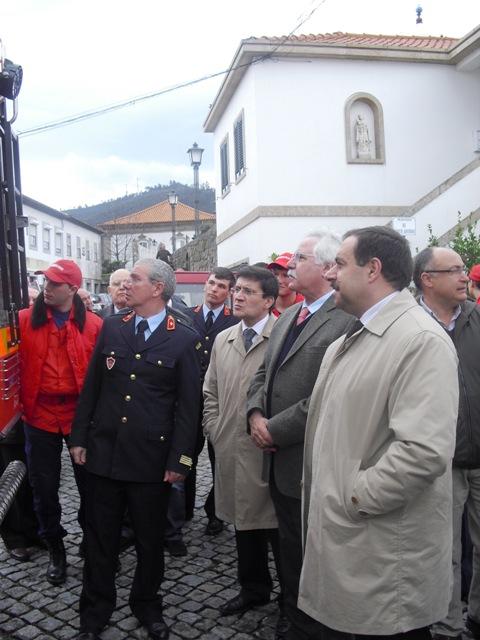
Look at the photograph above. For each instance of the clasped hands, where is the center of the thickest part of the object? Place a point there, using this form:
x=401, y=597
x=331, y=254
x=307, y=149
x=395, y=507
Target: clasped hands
x=260, y=433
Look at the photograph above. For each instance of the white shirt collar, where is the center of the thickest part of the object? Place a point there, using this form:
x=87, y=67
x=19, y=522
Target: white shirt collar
x=451, y=325
x=258, y=327
x=369, y=314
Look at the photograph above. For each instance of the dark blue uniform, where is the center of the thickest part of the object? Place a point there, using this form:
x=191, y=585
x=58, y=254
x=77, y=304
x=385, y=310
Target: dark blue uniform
x=224, y=320
x=136, y=417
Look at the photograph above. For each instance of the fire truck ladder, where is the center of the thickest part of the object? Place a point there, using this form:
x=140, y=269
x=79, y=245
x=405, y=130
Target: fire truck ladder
x=13, y=262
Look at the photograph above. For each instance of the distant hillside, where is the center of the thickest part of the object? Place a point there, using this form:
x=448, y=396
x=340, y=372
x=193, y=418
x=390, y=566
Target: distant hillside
x=119, y=207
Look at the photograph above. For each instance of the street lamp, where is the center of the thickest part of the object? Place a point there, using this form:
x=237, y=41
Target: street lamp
x=195, y=153
x=173, y=200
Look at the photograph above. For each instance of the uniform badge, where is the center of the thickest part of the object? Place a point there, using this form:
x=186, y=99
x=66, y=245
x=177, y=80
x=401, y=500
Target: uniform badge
x=226, y=311
x=127, y=317
x=170, y=323
x=198, y=346
x=110, y=362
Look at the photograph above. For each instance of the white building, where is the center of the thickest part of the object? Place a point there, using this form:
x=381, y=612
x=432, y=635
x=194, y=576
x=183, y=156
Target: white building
x=139, y=234
x=53, y=235
x=344, y=130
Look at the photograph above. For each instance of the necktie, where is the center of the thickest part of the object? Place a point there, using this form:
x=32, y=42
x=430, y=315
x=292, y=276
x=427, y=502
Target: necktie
x=356, y=327
x=141, y=328
x=209, y=320
x=304, y=312
x=248, y=336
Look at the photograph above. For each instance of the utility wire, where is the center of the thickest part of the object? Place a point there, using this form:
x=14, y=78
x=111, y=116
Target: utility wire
x=303, y=18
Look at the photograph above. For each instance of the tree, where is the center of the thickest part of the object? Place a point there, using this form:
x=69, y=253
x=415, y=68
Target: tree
x=466, y=241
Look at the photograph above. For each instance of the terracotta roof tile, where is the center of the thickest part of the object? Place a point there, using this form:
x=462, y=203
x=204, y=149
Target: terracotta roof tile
x=161, y=212
x=372, y=40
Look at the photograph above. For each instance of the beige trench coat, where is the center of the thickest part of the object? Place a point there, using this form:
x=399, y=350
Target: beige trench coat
x=381, y=430
x=241, y=496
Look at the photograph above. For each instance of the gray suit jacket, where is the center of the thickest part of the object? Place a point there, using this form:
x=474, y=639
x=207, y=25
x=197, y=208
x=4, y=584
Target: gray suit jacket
x=292, y=387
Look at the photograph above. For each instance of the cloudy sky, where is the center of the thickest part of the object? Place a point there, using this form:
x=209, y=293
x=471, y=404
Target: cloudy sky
x=79, y=55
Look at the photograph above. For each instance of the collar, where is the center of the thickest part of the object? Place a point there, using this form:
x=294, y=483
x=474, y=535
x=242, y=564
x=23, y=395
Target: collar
x=216, y=311
x=153, y=322
x=377, y=307
x=315, y=306
x=257, y=327
x=451, y=325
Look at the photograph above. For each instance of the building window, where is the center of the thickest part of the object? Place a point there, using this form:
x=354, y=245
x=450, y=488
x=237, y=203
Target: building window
x=58, y=243
x=239, y=144
x=79, y=248
x=87, y=249
x=46, y=237
x=224, y=169
x=95, y=252
x=33, y=235
x=69, y=245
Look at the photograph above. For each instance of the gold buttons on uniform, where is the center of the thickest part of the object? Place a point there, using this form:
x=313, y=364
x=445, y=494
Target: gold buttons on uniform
x=124, y=419
x=159, y=362
x=137, y=356
x=207, y=338
x=162, y=438
x=112, y=353
x=206, y=352
x=133, y=376
x=128, y=398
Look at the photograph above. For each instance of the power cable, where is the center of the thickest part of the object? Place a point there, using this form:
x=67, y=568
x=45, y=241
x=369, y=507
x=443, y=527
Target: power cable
x=132, y=101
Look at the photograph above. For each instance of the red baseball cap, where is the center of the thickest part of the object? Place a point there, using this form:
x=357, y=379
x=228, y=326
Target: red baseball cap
x=282, y=260
x=475, y=273
x=64, y=271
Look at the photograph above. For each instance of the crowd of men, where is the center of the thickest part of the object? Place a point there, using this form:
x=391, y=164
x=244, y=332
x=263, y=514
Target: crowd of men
x=342, y=419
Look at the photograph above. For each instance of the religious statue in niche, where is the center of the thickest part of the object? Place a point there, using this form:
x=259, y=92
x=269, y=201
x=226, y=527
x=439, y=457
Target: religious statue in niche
x=362, y=139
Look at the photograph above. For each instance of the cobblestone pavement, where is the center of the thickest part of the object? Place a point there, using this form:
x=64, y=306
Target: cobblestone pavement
x=193, y=589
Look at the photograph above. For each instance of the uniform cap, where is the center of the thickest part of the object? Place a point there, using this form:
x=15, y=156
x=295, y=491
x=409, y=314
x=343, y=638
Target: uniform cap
x=282, y=260
x=64, y=272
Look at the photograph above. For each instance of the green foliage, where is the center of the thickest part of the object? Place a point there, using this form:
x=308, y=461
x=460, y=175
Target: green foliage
x=273, y=257
x=466, y=241
x=109, y=266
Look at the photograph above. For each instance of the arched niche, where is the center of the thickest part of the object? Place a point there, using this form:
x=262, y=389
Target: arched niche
x=364, y=133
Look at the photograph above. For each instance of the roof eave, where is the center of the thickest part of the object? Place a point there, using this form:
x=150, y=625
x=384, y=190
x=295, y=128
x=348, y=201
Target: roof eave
x=263, y=48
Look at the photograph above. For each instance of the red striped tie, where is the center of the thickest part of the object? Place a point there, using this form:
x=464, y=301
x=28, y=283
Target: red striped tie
x=302, y=315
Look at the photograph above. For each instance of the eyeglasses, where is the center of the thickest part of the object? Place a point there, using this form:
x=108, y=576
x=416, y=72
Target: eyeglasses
x=454, y=271
x=246, y=291
x=301, y=257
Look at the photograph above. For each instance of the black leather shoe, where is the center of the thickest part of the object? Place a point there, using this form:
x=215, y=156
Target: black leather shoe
x=57, y=566
x=87, y=635
x=214, y=526
x=282, y=627
x=176, y=548
x=19, y=553
x=240, y=604
x=158, y=630
x=473, y=626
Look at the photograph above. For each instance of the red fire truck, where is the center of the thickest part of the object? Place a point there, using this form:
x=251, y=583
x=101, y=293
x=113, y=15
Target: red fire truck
x=13, y=270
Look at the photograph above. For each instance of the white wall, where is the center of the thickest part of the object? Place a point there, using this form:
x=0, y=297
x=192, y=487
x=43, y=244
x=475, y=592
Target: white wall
x=39, y=258
x=265, y=236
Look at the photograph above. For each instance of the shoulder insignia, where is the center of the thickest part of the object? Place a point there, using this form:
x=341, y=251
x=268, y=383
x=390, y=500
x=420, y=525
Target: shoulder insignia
x=226, y=311
x=171, y=324
x=128, y=316
x=197, y=308
x=186, y=461
x=198, y=346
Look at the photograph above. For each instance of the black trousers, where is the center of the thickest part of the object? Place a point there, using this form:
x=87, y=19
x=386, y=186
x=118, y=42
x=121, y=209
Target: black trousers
x=105, y=503
x=44, y=458
x=289, y=516
x=19, y=527
x=191, y=479
x=253, y=572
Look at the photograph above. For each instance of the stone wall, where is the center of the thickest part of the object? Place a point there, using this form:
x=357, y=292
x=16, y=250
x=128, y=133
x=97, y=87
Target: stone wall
x=199, y=254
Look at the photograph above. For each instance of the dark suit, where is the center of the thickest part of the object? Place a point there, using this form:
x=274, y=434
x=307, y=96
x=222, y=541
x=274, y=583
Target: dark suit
x=224, y=320
x=135, y=417
x=281, y=391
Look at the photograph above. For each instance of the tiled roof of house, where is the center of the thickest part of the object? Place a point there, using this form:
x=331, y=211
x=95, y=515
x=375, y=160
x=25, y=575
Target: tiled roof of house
x=371, y=40
x=161, y=212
